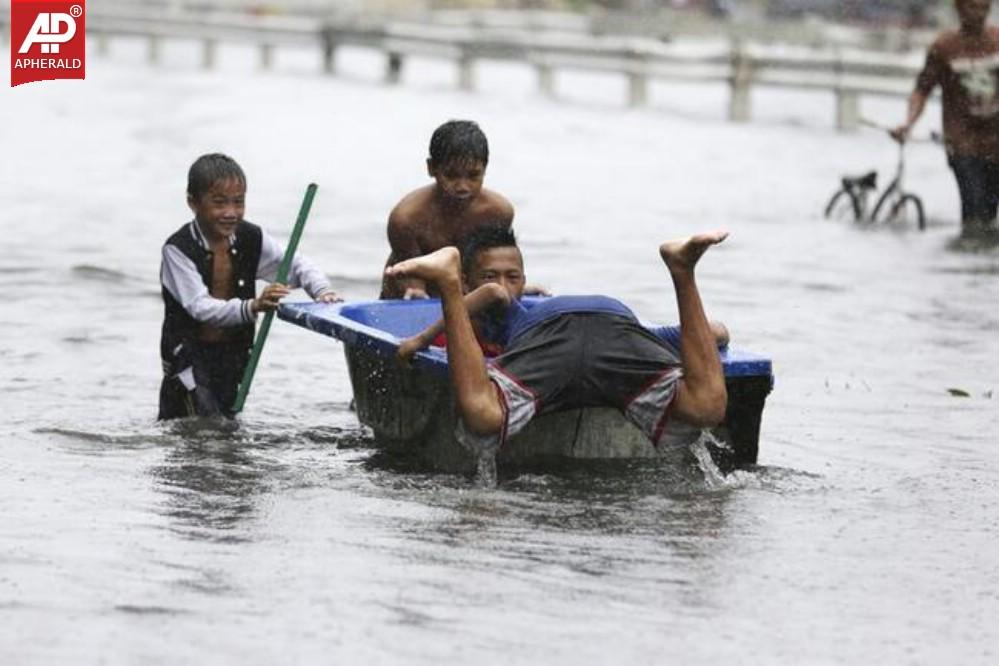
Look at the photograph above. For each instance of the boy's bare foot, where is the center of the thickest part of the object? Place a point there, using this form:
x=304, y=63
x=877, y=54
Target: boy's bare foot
x=682, y=254
x=437, y=266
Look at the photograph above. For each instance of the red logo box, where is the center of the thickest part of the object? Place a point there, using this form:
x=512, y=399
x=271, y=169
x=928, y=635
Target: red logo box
x=48, y=40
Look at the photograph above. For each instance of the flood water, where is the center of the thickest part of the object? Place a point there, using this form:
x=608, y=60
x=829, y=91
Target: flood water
x=868, y=534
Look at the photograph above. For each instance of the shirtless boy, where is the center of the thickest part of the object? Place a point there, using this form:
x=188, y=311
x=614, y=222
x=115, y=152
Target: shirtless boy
x=209, y=273
x=568, y=352
x=445, y=212
x=965, y=64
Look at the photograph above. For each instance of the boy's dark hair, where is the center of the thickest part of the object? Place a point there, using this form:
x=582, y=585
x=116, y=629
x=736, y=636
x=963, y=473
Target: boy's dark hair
x=485, y=238
x=458, y=141
x=210, y=169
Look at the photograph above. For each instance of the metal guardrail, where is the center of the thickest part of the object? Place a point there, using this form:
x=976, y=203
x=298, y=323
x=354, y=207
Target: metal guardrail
x=848, y=73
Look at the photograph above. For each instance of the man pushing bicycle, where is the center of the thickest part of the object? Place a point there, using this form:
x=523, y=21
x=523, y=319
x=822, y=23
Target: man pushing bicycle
x=965, y=64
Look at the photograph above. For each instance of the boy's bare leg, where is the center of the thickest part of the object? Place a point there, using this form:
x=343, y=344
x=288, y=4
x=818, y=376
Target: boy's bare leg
x=701, y=397
x=477, y=400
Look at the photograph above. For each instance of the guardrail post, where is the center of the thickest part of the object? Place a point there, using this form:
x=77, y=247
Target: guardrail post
x=847, y=109
x=466, y=70
x=328, y=38
x=153, y=50
x=103, y=43
x=847, y=100
x=266, y=56
x=638, y=89
x=393, y=68
x=638, y=82
x=740, y=81
x=546, y=79
x=208, y=53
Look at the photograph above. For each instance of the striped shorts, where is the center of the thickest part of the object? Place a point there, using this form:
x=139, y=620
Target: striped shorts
x=581, y=360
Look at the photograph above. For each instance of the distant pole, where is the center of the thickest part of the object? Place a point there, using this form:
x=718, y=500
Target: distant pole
x=282, y=277
x=328, y=39
x=466, y=70
x=740, y=80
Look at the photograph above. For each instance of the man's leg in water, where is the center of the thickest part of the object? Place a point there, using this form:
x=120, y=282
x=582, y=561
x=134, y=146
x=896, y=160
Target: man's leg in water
x=701, y=397
x=477, y=399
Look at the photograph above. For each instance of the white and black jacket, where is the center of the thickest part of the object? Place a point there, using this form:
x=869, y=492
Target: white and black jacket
x=186, y=275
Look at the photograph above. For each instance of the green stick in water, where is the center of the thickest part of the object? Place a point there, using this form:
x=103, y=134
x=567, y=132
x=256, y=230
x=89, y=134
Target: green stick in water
x=282, y=277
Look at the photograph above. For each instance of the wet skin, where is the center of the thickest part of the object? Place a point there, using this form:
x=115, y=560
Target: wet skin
x=440, y=215
x=701, y=396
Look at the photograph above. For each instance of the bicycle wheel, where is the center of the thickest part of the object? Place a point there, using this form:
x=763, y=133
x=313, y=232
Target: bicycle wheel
x=907, y=209
x=887, y=200
x=911, y=210
x=843, y=206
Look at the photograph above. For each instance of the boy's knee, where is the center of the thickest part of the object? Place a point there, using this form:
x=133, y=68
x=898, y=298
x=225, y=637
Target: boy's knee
x=484, y=423
x=708, y=405
x=716, y=405
x=483, y=416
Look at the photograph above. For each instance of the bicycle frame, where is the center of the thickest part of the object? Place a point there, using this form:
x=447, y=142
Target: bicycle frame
x=894, y=192
x=893, y=204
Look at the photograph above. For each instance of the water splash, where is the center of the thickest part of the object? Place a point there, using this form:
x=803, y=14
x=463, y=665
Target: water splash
x=713, y=476
x=485, y=469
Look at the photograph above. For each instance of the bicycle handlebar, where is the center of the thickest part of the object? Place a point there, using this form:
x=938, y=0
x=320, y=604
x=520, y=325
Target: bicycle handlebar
x=934, y=137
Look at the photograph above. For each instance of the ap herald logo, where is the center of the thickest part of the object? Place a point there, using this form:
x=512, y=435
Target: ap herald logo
x=47, y=41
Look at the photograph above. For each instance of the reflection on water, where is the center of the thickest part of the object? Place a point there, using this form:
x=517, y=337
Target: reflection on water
x=214, y=472
x=211, y=485
x=985, y=242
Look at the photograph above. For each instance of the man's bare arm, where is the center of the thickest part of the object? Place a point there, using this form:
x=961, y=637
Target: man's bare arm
x=477, y=301
x=917, y=102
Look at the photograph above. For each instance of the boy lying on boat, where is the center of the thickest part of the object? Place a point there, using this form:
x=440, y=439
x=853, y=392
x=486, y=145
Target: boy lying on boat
x=567, y=352
x=209, y=273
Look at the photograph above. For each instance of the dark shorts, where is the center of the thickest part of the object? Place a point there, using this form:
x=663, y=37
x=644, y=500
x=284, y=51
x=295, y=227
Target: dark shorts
x=978, y=183
x=583, y=360
x=203, y=381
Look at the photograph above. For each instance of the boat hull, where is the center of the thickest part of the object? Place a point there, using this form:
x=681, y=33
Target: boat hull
x=412, y=410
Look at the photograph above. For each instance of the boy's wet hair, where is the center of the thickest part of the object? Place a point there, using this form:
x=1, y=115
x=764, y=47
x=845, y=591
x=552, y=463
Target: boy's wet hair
x=458, y=141
x=485, y=238
x=210, y=169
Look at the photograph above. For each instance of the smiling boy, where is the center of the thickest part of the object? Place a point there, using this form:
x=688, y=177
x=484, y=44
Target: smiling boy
x=208, y=274
x=447, y=211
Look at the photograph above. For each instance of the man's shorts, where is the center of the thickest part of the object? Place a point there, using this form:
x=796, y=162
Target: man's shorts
x=978, y=183
x=583, y=360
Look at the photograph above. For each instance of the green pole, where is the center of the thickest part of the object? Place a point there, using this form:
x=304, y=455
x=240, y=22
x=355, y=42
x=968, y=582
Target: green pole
x=282, y=277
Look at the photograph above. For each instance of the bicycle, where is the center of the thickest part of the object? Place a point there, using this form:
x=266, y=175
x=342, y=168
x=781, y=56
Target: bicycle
x=895, y=205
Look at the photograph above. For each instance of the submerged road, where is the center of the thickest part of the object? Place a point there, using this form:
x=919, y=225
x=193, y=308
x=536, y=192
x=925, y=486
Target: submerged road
x=868, y=534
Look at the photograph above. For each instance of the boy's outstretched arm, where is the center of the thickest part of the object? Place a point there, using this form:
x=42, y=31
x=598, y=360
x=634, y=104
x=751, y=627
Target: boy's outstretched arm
x=303, y=272
x=270, y=298
x=477, y=301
